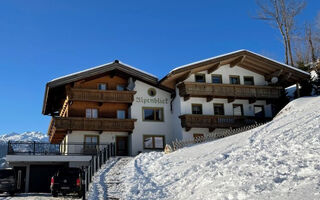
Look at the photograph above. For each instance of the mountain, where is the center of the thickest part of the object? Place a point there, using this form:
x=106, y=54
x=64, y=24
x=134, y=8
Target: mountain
x=278, y=160
x=21, y=137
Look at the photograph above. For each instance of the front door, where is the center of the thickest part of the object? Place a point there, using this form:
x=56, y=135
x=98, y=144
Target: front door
x=20, y=178
x=122, y=145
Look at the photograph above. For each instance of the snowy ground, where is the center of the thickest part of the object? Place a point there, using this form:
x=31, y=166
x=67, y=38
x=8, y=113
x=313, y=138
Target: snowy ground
x=107, y=183
x=279, y=160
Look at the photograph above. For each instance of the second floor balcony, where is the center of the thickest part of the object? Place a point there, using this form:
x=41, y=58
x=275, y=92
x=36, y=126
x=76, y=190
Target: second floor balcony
x=59, y=126
x=212, y=122
x=233, y=91
x=112, y=96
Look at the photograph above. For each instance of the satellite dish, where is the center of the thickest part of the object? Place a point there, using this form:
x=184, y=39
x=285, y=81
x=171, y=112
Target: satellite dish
x=274, y=80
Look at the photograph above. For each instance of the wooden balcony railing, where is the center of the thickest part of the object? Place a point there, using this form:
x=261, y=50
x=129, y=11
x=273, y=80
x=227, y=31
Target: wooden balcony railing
x=60, y=125
x=212, y=122
x=113, y=96
x=210, y=90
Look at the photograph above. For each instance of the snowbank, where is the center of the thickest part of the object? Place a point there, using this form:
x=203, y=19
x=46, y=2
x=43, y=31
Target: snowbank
x=279, y=160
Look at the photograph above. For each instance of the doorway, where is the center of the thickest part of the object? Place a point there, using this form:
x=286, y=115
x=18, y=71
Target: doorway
x=122, y=145
x=20, y=178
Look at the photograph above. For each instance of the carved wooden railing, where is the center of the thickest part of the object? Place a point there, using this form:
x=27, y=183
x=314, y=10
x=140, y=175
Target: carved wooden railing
x=218, y=121
x=60, y=125
x=115, y=96
x=187, y=89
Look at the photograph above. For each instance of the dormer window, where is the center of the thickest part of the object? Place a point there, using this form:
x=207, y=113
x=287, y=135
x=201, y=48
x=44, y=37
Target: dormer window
x=102, y=86
x=200, y=78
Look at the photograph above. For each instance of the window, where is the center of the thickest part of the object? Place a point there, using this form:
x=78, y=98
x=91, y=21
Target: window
x=152, y=114
x=259, y=111
x=218, y=109
x=237, y=110
x=216, y=78
x=102, y=86
x=91, y=141
x=248, y=80
x=121, y=114
x=153, y=142
x=234, y=80
x=196, y=109
x=152, y=92
x=91, y=113
x=200, y=78
x=120, y=87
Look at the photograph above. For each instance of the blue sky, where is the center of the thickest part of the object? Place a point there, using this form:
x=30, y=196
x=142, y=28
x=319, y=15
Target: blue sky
x=41, y=40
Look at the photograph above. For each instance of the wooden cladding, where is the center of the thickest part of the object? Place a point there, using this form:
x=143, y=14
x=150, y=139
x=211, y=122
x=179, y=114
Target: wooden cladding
x=60, y=125
x=209, y=90
x=189, y=121
x=112, y=96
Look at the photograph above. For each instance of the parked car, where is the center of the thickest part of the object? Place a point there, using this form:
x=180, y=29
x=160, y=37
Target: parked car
x=7, y=181
x=67, y=180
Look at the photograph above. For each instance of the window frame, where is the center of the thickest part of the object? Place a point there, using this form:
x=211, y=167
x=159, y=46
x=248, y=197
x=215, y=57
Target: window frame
x=98, y=86
x=91, y=136
x=91, y=113
x=121, y=85
x=263, y=111
x=153, y=142
x=196, y=104
x=241, y=105
x=200, y=74
x=216, y=75
x=234, y=76
x=125, y=114
x=154, y=115
x=244, y=83
x=214, y=110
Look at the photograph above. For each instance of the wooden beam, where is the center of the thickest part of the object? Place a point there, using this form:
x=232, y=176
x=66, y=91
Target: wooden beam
x=183, y=77
x=237, y=61
x=252, y=100
x=230, y=100
x=214, y=67
x=254, y=69
x=273, y=74
x=186, y=98
x=211, y=129
x=209, y=98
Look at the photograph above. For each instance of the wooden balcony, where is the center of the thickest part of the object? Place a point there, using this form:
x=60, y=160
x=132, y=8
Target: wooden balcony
x=112, y=96
x=212, y=122
x=210, y=90
x=59, y=126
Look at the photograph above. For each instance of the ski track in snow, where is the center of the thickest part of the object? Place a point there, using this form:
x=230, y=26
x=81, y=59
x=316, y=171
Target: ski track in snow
x=279, y=160
x=106, y=183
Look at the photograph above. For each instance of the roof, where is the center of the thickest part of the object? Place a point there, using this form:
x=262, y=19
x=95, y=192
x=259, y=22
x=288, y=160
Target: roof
x=248, y=59
x=94, y=71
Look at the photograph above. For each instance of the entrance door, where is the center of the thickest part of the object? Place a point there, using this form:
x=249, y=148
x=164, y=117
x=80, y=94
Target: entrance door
x=20, y=178
x=122, y=145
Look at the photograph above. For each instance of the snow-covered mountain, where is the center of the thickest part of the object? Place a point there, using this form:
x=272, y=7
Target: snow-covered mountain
x=21, y=137
x=279, y=160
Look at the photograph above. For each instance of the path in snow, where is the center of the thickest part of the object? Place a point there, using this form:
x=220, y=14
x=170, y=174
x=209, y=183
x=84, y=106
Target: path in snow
x=106, y=183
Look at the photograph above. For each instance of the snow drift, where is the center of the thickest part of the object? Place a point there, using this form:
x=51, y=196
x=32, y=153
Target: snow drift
x=279, y=160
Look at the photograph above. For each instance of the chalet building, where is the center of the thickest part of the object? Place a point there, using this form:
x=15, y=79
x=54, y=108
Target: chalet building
x=121, y=104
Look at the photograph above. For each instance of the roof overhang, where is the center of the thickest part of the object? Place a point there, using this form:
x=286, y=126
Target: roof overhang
x=59, y=83
x=242, y=58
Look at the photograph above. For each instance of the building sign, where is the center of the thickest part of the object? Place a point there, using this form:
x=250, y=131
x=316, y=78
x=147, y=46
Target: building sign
x=152, y=100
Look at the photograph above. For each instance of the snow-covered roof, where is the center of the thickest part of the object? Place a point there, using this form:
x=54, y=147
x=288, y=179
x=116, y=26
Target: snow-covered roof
x=234, y=52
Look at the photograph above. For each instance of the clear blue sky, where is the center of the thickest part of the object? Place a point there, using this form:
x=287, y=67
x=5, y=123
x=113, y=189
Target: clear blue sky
x=41, y=40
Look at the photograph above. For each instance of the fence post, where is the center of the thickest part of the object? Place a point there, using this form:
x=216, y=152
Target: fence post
x=114, y=149
x=34, y=148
